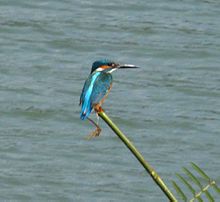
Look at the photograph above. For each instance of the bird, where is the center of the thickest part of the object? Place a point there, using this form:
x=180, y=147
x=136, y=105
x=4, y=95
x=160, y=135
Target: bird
x=96, y=88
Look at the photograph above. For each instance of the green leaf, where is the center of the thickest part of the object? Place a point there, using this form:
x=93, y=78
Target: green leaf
x=179, y=191
x=217, y=189
x=203, y=174
x=197, y=182
x=189, y=187
x=200, y=171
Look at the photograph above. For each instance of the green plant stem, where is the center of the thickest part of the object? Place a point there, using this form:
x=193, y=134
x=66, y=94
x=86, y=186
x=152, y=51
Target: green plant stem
x=157, y=179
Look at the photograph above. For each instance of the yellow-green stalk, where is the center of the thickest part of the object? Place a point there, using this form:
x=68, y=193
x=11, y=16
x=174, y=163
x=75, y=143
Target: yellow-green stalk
x=157, y=179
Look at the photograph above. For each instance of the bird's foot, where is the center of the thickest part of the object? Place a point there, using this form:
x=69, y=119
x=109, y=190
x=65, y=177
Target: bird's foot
x=94, y=133
x=98, y=108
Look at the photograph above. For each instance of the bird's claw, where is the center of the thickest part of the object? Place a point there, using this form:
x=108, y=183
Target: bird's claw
x=98, y=108
x=94, y=133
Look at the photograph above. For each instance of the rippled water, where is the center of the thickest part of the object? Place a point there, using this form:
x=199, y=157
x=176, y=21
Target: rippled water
x=169, y=107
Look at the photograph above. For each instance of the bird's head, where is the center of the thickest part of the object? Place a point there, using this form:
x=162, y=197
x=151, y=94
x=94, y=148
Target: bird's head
x=109, y=66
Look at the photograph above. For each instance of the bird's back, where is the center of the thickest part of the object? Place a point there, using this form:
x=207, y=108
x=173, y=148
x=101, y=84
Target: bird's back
x=94, y=90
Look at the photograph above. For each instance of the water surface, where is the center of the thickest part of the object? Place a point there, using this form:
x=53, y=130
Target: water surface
x=169, y=107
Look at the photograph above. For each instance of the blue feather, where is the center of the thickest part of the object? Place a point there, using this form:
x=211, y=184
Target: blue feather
x=86, y=94
x=94, y=90
x=101, y=87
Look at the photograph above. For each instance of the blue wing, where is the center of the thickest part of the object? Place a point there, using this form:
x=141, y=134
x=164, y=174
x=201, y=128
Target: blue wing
x=94, y=90
x=85, y=88
x=85, y=98
x=101, y=87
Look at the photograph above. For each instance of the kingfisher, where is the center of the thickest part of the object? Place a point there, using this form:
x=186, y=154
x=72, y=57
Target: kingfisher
x=96, y=88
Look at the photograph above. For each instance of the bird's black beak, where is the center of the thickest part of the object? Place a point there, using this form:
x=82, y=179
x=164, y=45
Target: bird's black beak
x=126, y=66
x=121, y=66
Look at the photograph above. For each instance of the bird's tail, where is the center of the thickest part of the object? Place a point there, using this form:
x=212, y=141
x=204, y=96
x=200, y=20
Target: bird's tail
x=85, y=111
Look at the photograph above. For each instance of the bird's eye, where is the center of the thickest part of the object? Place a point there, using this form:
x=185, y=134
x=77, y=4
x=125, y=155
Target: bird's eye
x=112, y=64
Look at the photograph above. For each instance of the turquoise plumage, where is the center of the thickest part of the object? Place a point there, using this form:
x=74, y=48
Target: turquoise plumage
x=96, y=89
